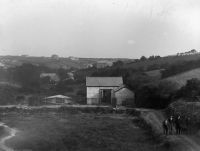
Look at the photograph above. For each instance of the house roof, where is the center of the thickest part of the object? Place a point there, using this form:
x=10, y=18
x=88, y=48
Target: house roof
x=58, y=96
x=104, y=81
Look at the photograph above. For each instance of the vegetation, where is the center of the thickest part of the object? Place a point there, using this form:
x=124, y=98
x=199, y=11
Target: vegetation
x=187, y=110
x=181, y=79
x=150, y=92
x=180, y=68
x=191, y=91
x=8, y=95
x=155, y=95
x=86, y=132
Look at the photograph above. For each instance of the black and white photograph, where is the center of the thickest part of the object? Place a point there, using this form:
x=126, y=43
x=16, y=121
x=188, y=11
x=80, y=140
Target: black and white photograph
x=99, y=75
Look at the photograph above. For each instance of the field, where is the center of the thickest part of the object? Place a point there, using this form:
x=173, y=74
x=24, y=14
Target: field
x=181, y=79
x=78, y=132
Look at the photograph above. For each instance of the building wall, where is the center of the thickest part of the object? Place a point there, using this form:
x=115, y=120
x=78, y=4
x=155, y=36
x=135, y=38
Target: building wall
x=124, y=94
x=93, y=94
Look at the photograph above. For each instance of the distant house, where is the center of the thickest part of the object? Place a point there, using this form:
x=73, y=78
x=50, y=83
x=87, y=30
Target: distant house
x=73, y=58
x=104, y=63
x=52, y=76
x=58, y=99
x=90, y=65
x=107, y=90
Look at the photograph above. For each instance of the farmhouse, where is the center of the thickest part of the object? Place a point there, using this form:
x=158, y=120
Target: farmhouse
x=58, y=99
x=107, y=90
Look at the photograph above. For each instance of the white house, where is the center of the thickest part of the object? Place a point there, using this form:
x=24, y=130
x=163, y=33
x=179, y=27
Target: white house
x=107, y=90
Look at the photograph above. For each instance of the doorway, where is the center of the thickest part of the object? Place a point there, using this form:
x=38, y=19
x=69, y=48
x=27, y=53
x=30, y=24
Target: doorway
x=106, y=96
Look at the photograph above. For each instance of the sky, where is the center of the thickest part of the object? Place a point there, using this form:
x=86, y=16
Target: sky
x=99, y=28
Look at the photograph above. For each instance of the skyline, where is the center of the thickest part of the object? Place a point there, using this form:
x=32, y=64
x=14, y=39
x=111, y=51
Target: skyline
x=99, y=28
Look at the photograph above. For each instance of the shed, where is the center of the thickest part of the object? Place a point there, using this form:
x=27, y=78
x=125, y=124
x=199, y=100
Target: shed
x=100, y=90
x=124, y=96
x=58, y=99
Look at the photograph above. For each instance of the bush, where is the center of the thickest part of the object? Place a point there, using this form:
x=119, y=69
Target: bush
x=191, y=91
x=81, y=92
x=8, y=95
x=156, y=96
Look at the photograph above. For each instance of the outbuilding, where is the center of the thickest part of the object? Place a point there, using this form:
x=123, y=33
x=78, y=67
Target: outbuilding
x=58, y=99
x=124, y=96
x=107, y=90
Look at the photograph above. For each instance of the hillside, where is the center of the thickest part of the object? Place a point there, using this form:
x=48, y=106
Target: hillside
x=160, y=62
x=55, y=63
x=182, y=78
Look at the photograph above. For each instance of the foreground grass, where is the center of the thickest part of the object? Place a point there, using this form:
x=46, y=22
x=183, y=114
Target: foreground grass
x=78, y=132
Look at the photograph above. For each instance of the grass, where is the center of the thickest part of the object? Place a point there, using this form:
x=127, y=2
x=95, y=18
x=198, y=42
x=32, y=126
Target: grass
x=78, y=132
x=181, y=79
x=162, y=60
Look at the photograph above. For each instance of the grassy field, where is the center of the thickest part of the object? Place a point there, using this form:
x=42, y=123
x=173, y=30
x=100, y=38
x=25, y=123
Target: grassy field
x=163, y=60
x=79, y=132
x=181, y=79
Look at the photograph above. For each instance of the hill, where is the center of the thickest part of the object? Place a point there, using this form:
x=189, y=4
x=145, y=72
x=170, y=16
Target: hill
x=181, y=79
x=55, y=63
x=161, y=62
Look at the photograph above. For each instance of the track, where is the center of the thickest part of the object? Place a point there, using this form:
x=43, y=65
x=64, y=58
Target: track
x=155, y=118
x=12, y=132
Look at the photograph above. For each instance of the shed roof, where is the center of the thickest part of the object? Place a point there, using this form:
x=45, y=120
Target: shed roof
x=120, y=87
x=58, y=96
x=104, y=81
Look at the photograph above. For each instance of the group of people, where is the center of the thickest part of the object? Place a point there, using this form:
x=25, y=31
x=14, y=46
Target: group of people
x=175, y=123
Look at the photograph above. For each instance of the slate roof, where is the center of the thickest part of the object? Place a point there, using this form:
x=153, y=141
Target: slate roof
x=104, y=81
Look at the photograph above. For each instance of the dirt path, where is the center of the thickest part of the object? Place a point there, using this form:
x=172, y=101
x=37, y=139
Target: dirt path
x=155, y=118
x=12, y=132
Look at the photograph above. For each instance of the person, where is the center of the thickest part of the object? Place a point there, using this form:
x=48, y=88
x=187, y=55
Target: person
x=178, y=125
x=165, y=127
x=115, y=109
x=171, y=123
x=188, y=122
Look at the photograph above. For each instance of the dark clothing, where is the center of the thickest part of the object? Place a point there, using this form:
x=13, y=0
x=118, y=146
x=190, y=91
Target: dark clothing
x=171, y=123
x=178, y=126
x=188, y=122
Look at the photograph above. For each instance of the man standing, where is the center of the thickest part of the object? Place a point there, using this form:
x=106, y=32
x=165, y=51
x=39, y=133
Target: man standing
x=171, y=124
x=178, y=125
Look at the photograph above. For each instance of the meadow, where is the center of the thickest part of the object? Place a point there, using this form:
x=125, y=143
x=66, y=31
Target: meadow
x=79, y=131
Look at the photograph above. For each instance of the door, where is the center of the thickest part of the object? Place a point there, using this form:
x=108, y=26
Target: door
x=106, y=96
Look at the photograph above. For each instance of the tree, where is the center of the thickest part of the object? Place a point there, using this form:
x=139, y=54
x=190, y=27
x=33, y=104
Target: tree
x=193, y=51
x=27, y=75
x=62, y=73
x=190, y=91
x=118, y=63
x=143, y=58
x=155, y=95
